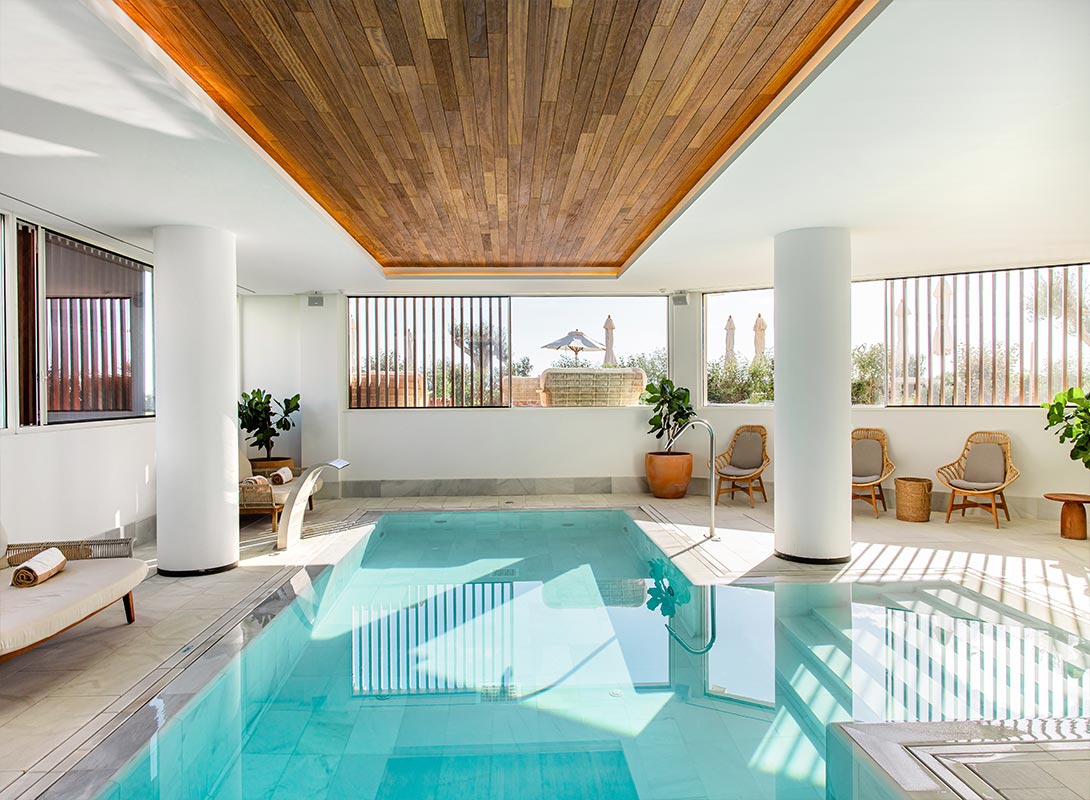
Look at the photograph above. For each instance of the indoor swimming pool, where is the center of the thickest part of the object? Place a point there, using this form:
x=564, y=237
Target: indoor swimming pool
x=559, y=654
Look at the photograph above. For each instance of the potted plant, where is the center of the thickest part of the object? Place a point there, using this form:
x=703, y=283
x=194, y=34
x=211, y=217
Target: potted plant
x=668, y=473
x=1069, y=415
x=263, y=423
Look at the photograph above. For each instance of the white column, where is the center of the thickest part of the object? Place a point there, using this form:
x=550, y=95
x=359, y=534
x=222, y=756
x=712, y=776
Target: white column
x=812, y=291
x=196, y=388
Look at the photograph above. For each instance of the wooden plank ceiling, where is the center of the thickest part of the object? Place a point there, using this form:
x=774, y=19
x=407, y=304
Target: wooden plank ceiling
x=461, y=136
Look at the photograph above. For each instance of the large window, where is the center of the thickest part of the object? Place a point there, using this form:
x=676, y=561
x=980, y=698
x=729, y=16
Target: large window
x=429, y=352
x=473, y=352
x=1011, y=337
x=1000, y=338
x=85, y=323
x=740, y=345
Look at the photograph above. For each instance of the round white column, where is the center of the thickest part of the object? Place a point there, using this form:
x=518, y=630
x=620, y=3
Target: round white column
x=196, y=389
x=812, y=291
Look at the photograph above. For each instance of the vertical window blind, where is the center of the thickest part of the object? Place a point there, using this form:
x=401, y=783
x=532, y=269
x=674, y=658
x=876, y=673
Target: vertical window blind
x=1010, y=337
x=429, y=352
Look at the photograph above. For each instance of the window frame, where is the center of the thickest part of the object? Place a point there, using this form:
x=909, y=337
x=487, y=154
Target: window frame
x=512, y=297
x=9, y=371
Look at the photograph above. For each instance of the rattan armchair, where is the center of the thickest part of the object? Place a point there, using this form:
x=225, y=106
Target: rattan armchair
x=746, y=478
x=871, y=491
x=954, y=477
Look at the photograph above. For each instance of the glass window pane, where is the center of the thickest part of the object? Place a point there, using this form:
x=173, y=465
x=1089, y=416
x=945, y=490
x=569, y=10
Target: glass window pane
x=98, y=333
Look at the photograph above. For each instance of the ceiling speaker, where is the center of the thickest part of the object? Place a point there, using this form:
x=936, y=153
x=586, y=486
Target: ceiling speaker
x=315, y=301
x=680, y=299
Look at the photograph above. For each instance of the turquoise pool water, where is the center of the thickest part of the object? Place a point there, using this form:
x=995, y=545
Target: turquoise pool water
x=526, y=655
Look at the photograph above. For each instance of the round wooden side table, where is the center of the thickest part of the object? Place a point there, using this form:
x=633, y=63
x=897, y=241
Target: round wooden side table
x=1072, y=515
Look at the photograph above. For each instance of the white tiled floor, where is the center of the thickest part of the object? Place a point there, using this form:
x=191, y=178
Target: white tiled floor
x=55, y=698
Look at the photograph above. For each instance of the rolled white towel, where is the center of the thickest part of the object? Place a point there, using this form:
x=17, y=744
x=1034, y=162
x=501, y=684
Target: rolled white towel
x=39, y=569
x=281, y=476
x=256, y=480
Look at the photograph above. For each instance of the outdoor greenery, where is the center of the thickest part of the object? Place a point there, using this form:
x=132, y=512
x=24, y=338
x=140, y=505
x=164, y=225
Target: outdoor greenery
x=264, y=423
x=1069, y=418
x=523, y=368
x=654, y=364
x=672, y=408
x=868, y=371
x=740, y=381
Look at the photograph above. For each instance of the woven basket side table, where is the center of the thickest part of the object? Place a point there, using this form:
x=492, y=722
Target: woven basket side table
x=913, y=499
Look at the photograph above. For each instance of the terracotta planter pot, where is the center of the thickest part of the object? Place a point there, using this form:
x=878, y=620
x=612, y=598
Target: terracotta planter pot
x=669, y=474
x=272, y=463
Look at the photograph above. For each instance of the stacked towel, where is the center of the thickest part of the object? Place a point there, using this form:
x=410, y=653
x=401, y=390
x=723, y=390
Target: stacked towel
x=39, y=569
x=256, y=480
x=281, y=476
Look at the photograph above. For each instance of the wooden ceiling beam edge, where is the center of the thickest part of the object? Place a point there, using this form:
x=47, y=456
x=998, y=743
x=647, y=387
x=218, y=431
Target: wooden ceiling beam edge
x=503, y=273
x=842, y=36
x=132, y=34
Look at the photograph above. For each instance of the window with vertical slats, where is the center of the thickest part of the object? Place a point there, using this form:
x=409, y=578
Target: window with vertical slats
x=429, y=352
x=1004, y=338
x=97, y=333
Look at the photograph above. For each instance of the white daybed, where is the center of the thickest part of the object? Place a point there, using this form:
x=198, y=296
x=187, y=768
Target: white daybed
x=98, y=574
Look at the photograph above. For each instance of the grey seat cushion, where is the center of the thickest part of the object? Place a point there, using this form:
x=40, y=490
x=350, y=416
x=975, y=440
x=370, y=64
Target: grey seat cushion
x=867, y=459
x=748, y=452
x=731, y=471
x=985, y=464
x=975, y=486
x=865, y=478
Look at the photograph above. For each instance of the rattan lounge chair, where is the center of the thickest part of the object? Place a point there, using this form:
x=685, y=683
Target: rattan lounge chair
x=743, y=462
x=984, y=470
x=870, y=466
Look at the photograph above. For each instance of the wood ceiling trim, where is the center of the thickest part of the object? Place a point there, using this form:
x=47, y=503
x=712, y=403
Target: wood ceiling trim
x=794, y=75
x=484, y=137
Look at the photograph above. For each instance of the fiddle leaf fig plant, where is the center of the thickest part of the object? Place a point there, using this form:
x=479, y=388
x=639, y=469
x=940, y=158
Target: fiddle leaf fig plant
x=1069, y=418
x=672, y=408
x=264, y=422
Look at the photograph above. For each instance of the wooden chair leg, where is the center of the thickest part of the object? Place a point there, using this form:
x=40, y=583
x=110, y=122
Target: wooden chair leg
x=761, y=484
x=950, y=508
x=275, y=520
x=749, y=491
x=874, y=502
x=1006, y=511
x=882, y=497
x=995, y=513
x=310, y=502
x=718, y=489
x=130, y=608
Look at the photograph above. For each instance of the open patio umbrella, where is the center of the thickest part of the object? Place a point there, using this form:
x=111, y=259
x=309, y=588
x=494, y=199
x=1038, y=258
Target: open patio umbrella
x=730, y=328
x=610, y=358
x=576, y=341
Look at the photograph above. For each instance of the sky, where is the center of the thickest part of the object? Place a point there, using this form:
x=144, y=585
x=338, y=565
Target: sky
x=640, y=325
x=868, y=318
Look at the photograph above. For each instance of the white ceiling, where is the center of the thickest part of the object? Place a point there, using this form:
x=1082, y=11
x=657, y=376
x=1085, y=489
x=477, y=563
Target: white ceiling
x=949, y=134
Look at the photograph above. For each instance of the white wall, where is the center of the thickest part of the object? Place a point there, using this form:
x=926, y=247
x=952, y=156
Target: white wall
x=269, y=330
x=76, y=482
x=404, y=444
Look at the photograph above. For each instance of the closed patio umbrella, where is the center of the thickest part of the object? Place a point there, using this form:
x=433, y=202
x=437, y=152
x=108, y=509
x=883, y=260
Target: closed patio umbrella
x=759, y=328
x=576, y=341
x=729, y=328
x=610, y=358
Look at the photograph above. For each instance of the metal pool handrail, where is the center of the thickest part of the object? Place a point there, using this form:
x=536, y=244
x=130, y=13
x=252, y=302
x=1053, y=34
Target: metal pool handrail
x=711, y=466
x=699, y=651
